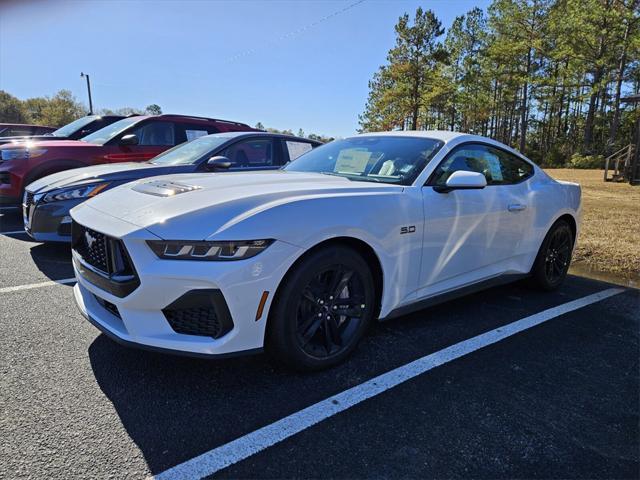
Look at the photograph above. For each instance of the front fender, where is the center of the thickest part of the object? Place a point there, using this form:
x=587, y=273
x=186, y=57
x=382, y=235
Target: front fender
x=375, y=219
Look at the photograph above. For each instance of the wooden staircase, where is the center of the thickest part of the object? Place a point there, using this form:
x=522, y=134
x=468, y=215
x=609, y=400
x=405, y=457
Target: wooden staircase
x=620, y=163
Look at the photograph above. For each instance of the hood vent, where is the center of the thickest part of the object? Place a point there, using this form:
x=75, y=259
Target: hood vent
x=161, y=188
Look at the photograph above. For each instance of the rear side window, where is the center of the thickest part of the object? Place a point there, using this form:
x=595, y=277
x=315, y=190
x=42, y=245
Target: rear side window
x=156, y=134
x=251, y=153
x=296, y=148
x=514, y=169
x=498, y=166
x=19, y=131
x=190, y=131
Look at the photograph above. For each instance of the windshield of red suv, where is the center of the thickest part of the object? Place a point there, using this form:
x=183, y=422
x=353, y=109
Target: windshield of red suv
x=71, y=128
x=102, y=136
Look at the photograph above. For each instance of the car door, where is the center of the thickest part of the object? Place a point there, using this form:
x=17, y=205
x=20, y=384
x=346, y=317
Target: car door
x=473, y=234
x=254, y=153
x=154, y=137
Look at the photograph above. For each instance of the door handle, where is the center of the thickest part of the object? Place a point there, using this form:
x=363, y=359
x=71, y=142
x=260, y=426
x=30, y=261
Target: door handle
x=516, y=207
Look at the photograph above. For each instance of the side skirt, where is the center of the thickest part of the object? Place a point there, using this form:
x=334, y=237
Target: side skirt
x=453, y=294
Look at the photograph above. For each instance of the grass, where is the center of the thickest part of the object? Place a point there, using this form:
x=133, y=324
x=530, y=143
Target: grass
x=609, y=240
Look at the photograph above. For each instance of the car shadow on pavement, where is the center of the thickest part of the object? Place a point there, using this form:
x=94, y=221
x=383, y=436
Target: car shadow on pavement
x=53, y=259
x=175, y=408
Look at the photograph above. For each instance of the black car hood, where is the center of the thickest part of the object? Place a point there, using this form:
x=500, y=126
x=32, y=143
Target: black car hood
x=116, y=174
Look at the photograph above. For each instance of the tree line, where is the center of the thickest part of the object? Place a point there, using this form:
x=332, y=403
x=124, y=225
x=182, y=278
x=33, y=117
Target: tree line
x=545, y=76
x=301, y=133
x=58, y=110
x=63, y=108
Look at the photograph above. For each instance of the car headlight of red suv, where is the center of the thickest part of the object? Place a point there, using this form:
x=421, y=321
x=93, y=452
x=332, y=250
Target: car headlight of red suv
x=21, y=153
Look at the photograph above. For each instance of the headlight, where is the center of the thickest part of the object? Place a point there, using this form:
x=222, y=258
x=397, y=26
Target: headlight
x=219, y=251
x=85, y=191
x=21, y=153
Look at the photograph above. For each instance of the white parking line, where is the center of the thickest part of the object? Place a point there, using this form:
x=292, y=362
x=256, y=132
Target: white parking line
x=15, y=232
x=29, y=286
x=214, y=460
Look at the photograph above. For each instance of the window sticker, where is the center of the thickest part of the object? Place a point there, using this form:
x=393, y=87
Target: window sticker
x=352, y=160
x=193, y=134
x=297, y=148
x=494, y=166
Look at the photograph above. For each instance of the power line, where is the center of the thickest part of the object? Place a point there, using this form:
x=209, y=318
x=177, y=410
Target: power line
x=293, y=33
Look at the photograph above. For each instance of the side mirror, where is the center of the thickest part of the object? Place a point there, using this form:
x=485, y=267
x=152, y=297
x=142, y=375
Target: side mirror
x=219, y=162
x=463, y=180
x=130, y=139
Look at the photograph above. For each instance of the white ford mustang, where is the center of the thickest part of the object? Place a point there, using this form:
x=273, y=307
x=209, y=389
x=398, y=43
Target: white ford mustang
x=300, y=261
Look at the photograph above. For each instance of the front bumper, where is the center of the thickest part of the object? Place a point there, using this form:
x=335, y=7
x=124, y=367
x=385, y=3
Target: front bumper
x=49, y=222
x=139, y=318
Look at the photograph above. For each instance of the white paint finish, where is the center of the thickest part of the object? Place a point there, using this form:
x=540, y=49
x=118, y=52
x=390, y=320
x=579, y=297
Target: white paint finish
x=456, y=239
x=233, y=452
x=30, y=286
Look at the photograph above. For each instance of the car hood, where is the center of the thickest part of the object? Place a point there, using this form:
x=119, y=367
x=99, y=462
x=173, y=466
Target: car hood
x=204, y=205
x=118, y=172
x=32, y=138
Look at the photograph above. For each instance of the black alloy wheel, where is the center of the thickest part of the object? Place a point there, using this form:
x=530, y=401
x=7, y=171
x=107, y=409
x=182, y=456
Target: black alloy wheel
x=330, y=309
x=554, y=257
x=322, y=309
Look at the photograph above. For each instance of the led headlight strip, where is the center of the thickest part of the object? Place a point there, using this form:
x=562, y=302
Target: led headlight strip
x=213, y=251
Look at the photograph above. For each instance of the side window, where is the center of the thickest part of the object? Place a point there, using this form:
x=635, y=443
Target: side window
x=498, y=167
x=251, y=153
x=19, y=131
x=295, y=148
x=472, y=158
x=156, y=134
x=514, y=169
x=190, y=131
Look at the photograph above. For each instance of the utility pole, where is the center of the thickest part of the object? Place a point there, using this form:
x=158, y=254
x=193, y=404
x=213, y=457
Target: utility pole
x=89, y=91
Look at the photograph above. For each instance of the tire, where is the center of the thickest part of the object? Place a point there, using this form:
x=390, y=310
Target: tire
x=322, y=309
x=554, y=257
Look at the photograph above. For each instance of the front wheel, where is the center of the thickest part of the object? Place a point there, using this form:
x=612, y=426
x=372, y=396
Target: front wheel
x=322, y=310
x=552, y=263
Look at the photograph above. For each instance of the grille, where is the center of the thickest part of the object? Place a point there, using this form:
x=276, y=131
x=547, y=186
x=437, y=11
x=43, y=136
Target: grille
x=103, y=260
x=28, y=199
x=92, y=247
x=200, y=321
x=200, y=312
x=28, y=204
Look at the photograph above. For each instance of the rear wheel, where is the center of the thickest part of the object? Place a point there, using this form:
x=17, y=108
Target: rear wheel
x=323, y=309
x=554, y=257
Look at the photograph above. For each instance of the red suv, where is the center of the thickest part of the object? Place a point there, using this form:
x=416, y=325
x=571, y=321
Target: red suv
x=132, y=139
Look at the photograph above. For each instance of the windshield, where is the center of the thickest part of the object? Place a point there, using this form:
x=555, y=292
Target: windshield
x=102, y=136
x=70, y=128
x=190, y=152
x=387, y=159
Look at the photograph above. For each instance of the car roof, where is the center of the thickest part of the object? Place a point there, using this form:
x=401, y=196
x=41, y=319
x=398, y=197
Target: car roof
x=444, y=135
x=262, y=134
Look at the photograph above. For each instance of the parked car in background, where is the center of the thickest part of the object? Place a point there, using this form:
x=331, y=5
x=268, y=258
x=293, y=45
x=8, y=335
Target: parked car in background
x=132, y=139
x=48, y=200
x=71, y=131
x=19, y=129
x=300, y=261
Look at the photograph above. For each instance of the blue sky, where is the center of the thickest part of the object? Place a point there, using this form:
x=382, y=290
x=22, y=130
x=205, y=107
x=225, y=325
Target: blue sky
x=283, y=63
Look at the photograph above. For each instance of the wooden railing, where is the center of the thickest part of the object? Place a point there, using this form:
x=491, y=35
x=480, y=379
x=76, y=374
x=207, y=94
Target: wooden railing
x=620, y=163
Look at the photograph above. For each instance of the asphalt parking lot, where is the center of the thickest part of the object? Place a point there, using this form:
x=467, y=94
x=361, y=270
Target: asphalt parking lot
x=558, y=399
